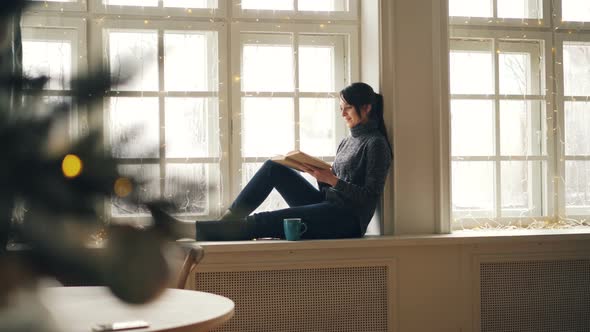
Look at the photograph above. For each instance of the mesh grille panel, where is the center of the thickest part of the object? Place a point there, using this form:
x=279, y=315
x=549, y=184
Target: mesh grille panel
x=535, y=296
x=324, y=299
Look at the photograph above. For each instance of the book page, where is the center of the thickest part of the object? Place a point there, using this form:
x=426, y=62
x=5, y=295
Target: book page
x=304, y=158
x=287, y=162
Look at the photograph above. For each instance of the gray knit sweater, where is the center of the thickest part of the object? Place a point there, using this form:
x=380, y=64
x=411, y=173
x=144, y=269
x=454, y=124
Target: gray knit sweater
x=361, y=165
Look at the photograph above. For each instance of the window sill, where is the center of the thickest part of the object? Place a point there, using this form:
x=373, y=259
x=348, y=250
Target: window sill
x=456, y=238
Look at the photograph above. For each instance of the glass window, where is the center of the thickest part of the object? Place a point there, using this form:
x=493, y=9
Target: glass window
x=288, y=85
x=335, y=9
x=528, y=83
x=187, y=60
x=470, y=8
x=268, y=5
x=194, y=126
x=133, y=57
x=472, y=67
x=473, y=189
x=322, y=6
x=267, y=63
x=200, y=103
x=169, y=117
x=505, y=9
x=577, y=187
x=48, y=58
x=498, y=123
x=144, y=3
x=133, y=127
x=257, y=114
x=575, y=10
x=473, y=128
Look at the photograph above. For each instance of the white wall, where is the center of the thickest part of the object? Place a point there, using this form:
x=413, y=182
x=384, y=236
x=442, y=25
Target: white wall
x=413, y=82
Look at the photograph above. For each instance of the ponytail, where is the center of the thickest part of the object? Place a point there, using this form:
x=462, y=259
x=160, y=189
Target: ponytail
x=377, y=114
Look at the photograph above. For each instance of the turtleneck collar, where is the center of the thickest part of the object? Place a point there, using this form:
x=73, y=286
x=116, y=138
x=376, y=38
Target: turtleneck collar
x=363, y=128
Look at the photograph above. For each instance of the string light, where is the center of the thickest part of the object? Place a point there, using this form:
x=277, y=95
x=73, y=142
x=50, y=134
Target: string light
x=123, y=187
x=71, y=166
x=500, y=21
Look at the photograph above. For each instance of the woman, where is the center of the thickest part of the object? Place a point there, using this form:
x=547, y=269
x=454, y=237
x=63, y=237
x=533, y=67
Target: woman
x=348, y=193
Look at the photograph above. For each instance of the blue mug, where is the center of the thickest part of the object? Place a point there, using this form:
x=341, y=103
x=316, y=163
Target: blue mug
x=294, y=228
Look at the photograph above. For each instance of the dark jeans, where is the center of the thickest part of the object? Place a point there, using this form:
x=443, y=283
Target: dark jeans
x=324, y=220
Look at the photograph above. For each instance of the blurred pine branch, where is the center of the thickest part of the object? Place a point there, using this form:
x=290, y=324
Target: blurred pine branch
x=63, y=211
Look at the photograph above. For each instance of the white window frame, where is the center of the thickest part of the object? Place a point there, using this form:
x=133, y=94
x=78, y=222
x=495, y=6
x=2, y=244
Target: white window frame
x=50, y=6
x=92, y=16
x=78, y=120
x=97, y=33
x=567, y=25
x=285, y=15
x=238, y=31
x=554, y=32
x=494, y=20
x=496, y=37
x=160, y=12
x=562, y=36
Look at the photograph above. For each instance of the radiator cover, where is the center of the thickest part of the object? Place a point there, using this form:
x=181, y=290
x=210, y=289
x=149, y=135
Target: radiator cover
x=350, y=299
x=535, y=295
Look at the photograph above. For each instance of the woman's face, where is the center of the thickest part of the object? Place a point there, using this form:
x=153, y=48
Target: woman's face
x=351, y=117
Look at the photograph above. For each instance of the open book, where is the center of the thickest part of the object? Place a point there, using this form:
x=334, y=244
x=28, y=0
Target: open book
x=294, y=159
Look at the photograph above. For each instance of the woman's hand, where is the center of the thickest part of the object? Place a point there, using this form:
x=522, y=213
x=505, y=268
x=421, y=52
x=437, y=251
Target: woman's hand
x=322, y=175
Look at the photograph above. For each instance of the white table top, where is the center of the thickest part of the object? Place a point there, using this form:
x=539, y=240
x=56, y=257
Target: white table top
x=78, y=309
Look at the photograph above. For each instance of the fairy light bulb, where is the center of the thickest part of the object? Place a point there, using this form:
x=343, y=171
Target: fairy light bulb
x=71, y=166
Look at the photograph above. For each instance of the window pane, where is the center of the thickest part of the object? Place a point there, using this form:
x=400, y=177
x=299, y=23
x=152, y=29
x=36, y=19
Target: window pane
x=577, y=187
x=521, y=188
x=133, y=127
x=187, y=185
x=134, y=54
x=473, y=189
x=575, y=10
x=513, y=73
x=522, y=128
x=472, y=127
x=532, y=9
x=317, y=69
x=265, y=4
x=274, y=201
x=322, y=5
x=148, y=189
x=577, y=128
x=49, y=58
x=190, y=61
x=317, y=123
x=190, y=3
x=521, y=70
x=267, y=67
x=143, y=3
x=49, y=103
x=472, y=8
x=576, y=66
x=192, y=127
x=64, y=129
x=472, y=71
x=267, y=126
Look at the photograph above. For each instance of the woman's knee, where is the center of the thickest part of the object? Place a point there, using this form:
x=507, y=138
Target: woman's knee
x=271, y=164
x=274, y=167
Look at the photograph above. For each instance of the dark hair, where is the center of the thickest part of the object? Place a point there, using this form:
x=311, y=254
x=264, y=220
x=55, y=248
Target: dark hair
x=359, y=94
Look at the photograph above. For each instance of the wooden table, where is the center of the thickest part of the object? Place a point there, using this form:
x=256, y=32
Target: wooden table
x=78, y=309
